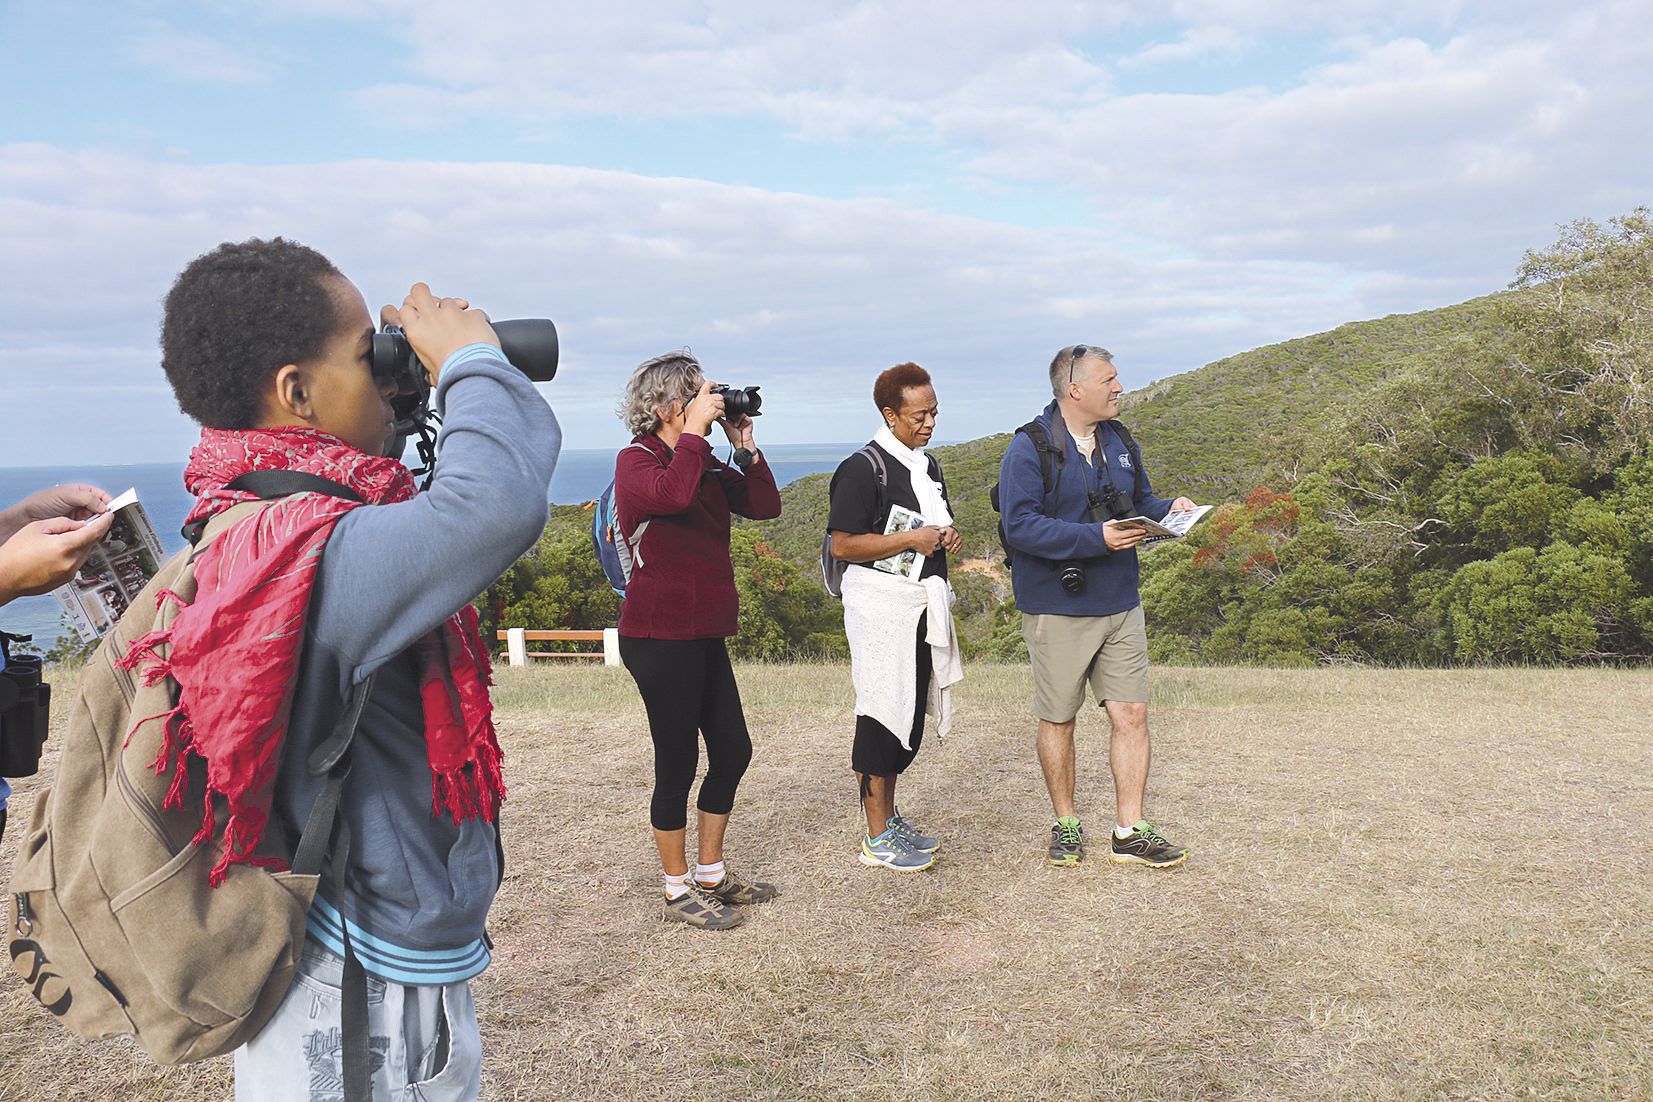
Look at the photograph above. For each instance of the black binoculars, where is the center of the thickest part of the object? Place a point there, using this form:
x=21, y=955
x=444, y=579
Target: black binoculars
x=1111, y=504
x=530, y=344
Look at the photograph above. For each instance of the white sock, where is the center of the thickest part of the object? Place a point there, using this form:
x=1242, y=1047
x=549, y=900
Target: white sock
x=677, y=886
x=1122, y=832
x=708, y=874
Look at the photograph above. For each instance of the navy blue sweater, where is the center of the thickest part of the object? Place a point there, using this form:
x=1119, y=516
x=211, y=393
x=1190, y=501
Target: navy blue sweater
x=1044, y=532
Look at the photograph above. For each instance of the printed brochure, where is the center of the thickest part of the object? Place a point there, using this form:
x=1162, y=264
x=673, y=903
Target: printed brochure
x=1175, y=525
x=122, y=562
x=908, y=564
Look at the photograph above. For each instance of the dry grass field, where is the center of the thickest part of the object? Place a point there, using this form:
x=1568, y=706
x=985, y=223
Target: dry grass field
x=1404, y=885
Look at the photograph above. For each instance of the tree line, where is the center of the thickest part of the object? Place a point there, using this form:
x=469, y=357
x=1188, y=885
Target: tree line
x=1488, y=498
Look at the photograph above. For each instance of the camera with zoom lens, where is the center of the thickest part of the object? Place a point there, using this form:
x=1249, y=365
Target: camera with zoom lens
x=529, y=344
x=739, y=401
x=1111, y=504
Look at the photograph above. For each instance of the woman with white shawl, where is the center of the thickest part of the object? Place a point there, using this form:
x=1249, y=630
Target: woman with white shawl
x=890, y=520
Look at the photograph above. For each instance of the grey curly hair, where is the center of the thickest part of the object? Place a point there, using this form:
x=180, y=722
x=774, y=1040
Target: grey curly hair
x=656, y=384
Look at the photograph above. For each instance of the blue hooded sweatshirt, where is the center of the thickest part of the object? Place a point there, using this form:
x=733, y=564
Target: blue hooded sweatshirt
x=1043, y=533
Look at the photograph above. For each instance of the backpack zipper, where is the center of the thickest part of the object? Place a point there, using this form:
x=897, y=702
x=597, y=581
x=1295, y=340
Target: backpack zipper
x=133, y=797
x=129, y=687
x=140, y=805
x=25, y=925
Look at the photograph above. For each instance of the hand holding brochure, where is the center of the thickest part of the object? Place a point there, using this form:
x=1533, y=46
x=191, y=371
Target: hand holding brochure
x=1175, y=525
x=908, y=564
x=124, y=560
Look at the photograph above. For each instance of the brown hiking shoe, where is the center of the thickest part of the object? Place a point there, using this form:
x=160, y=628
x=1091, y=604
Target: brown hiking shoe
x=732, y=889
x=699, y=908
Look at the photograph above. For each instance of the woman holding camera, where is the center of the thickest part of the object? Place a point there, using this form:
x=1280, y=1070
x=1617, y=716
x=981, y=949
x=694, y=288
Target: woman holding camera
x=674, y=499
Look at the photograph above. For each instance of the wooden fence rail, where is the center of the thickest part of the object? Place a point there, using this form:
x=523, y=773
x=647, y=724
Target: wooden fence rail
x=518, y=654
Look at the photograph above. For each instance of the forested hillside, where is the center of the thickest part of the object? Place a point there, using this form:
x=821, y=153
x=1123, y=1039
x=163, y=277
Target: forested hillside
x=1215, y=433
x=1467, y=484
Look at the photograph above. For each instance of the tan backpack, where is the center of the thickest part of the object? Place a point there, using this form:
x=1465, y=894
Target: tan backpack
x=109, y=918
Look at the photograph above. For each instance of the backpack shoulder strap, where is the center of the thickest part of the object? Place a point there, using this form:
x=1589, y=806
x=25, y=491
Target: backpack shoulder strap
x=268, y=485
x=881, y=478
x=876, y=458
x=1050, y=456
x=271, y=484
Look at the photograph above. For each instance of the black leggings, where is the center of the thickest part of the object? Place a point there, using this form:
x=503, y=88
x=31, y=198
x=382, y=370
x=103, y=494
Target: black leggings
x=689, y=690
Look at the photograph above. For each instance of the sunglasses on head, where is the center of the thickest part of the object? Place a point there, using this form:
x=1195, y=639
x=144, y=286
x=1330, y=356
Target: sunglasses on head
x=1080, y=351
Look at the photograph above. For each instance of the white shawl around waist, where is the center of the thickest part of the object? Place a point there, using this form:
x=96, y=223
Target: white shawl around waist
x=881, y=614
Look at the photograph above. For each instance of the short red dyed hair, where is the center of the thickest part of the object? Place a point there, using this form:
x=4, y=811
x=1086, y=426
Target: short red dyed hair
x=887, y=391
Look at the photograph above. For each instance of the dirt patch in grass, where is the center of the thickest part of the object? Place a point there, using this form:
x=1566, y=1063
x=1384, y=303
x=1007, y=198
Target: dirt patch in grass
x=1404, y=885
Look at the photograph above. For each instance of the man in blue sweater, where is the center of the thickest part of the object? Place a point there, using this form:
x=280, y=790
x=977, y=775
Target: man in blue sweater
x=1074, y=572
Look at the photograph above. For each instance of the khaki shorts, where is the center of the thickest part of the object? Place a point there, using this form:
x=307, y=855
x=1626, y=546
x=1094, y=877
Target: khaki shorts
x=1111, y=652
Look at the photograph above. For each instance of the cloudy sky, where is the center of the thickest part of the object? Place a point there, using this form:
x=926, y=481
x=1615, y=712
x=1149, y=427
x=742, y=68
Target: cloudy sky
x=802, y=193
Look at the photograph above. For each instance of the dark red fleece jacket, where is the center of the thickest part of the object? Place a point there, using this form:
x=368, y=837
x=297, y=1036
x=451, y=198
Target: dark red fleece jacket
x=684, y=584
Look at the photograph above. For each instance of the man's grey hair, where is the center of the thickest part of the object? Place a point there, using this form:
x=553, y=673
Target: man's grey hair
x=1065, y=367
x=656, y=384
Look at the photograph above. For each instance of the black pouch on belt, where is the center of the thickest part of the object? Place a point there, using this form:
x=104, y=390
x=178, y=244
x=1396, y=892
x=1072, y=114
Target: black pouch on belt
x=25, y=711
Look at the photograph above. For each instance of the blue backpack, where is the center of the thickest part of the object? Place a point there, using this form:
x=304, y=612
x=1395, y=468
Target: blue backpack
x=617, y=555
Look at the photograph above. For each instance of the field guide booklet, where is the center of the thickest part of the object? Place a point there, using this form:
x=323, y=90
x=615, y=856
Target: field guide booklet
x=908, y=564
x=1174, y=526
x=126, y=557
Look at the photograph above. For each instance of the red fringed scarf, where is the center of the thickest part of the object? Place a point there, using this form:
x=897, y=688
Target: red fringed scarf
x=234, y=652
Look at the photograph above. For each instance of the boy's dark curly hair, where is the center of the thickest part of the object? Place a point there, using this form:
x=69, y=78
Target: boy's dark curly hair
x=234, y=316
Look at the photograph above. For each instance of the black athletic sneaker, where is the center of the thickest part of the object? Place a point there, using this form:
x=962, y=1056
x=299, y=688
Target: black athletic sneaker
x=1067, y=842
x=1146, y=846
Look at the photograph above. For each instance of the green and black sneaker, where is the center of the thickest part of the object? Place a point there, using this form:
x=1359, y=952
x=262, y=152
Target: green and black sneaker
x=1146, y=846
x=1067, y=841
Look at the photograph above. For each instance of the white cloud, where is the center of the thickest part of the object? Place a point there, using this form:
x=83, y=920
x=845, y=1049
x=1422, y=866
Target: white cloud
x=809, y=297
x=829, y=70
x=1425, y=146
x=1196, y=43
x=1469, y=150
x=1461, y=127
x=191, y=55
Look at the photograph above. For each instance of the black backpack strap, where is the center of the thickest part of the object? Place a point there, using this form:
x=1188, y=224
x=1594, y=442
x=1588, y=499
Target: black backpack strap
x=331, y=758
x=1050, y=456
x=876, y=458
x=353, y=1043
x=327, y=829
x=273, y=484
x=881, y=480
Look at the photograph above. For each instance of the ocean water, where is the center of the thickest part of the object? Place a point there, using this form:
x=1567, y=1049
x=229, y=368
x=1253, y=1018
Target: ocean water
x=581, y=476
